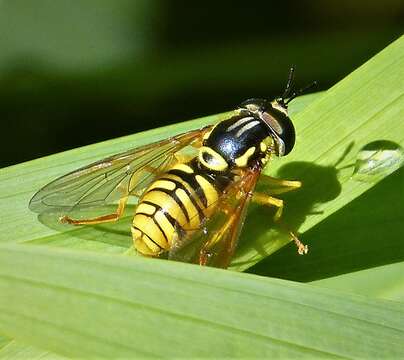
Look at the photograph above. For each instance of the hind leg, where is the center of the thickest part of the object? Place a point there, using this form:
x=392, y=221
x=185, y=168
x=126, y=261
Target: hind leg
x=99, y=219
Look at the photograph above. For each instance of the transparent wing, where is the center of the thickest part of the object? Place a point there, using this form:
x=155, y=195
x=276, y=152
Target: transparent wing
x=215, y=241
x=112, y=178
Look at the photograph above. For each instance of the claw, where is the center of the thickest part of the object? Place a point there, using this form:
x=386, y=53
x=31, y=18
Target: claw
x=64, y=219
x=302, y=249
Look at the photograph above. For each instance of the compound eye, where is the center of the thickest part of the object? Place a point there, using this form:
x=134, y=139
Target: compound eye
x=289, y=139
x=282, y=130
x=285, y=139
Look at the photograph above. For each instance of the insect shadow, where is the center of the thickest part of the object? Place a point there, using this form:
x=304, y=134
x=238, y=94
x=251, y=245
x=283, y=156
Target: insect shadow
x=366, y=233
x=319, y=185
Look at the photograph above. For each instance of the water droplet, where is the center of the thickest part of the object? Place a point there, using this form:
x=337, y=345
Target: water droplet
x=377, y=160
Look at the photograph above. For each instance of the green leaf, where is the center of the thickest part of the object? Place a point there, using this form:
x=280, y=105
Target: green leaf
x=4, y=341
x=77, y=303
x=82, y=304
x=358, y=249
x=15, y=350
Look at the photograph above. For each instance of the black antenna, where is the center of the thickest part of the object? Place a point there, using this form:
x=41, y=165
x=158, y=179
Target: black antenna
x=288, y=87
x=300, y=91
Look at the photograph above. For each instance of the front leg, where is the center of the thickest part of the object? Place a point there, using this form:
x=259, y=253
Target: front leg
x=267, y=200
x=279, y=186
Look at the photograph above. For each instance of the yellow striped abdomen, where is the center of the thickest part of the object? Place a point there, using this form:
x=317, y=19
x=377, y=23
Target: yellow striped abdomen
x=176, y=203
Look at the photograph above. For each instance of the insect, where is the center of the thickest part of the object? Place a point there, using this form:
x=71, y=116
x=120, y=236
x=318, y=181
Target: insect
x=191, y=206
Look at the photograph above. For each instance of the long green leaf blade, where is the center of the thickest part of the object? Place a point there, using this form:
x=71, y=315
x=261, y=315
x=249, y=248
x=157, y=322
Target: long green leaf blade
x=147, y=307
x=15, y=350
x=114, y=298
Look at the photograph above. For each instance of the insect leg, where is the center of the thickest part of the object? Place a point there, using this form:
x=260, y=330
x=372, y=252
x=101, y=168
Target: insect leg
x=99, y=219
x=264, y=199
x=301, y=248
x=279, y=186
x=267, y=200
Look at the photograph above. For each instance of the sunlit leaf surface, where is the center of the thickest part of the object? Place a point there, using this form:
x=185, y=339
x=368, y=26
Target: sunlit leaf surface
x=90, y=301
x=82, y=304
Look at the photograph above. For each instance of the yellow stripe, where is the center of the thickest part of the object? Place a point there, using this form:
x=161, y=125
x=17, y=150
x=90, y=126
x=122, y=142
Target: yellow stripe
x=215, y=162
x=187, y=187
x=191, y=209
x=246, y=128
x=242, y=160
x=268, y=141
x=239, y=122
x=210, y=192
x=145, y=209
x=184, y=168
x=206, y=136
x=136, y=234
x=167, y=227
x=167, y=203
x=163, y=184
x=150, y=228
x=143, y=244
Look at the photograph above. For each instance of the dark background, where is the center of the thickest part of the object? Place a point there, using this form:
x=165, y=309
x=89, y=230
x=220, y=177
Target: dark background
x=75, y=73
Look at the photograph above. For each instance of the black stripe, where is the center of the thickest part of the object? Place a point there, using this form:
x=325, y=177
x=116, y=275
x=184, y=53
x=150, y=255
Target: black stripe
x=175, y=224
x=141, y=213
x=180, y=185
x=171, y=220
x=175, y=198
x=219, y=181
x=211, y=180
x=143, y=233
x=191, y=181
x=158, y=225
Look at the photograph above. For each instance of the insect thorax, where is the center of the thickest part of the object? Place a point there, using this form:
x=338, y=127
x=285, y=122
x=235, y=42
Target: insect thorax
x=236, y=142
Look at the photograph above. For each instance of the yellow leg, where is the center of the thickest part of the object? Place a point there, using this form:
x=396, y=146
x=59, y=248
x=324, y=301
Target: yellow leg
x=99, y=219
x=264, y=199
x=279, y=186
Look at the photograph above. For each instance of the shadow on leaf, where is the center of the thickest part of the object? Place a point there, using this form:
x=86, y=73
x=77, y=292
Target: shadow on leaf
x=366, y=233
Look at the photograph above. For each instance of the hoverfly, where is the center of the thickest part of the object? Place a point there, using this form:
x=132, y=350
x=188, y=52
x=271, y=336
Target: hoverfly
x=190, y=206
